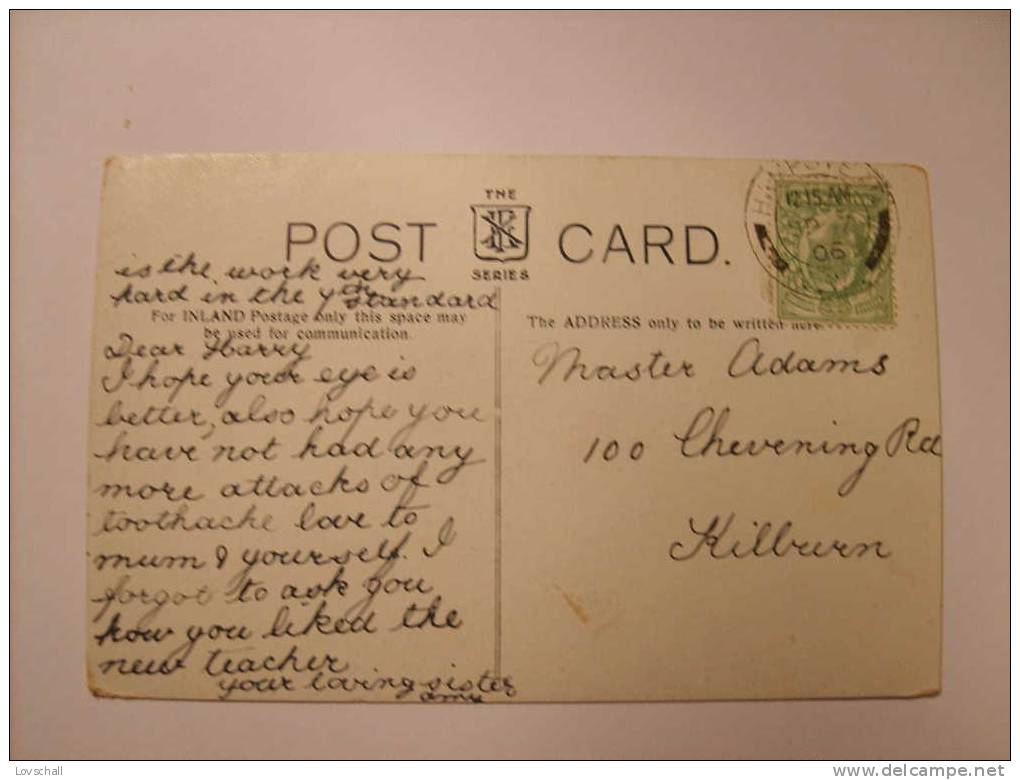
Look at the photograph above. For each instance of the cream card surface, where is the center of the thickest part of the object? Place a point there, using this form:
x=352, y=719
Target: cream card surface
x=502, y=429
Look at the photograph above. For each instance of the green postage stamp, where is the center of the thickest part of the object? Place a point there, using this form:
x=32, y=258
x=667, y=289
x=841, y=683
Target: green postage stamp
x=825, y=233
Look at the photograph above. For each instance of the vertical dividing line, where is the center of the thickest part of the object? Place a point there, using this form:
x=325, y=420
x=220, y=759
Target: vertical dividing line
x=498, y=492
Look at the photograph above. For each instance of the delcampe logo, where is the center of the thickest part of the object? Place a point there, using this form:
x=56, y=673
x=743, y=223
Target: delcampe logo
x=501, y=232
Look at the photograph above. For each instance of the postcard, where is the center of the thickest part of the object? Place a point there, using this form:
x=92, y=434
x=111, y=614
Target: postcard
x=513, y=429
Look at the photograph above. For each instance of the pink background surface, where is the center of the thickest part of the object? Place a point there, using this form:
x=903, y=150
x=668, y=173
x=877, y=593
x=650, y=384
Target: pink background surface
x=930, y=89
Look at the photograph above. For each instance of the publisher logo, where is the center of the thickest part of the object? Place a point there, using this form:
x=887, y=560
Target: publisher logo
x=501, y=232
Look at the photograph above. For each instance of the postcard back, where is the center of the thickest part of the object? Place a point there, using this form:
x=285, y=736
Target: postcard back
x=469, y=428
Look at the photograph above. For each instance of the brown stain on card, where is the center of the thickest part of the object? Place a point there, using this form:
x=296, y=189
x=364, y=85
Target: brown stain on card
x=575, y=606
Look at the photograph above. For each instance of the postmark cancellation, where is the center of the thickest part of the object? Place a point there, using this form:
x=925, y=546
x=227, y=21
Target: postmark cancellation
x=825, y=233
